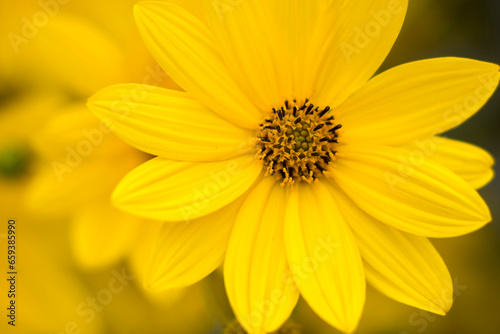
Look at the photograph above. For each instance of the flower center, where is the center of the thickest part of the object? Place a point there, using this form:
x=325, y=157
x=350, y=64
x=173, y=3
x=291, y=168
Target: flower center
x=14, y=160
x=297, y=142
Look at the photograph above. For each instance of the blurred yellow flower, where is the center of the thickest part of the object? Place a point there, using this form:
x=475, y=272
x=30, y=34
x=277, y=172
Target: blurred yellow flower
x=75, y=182
x=60, y=159
x=288, y=161
x=82, y=52
x=19, y=117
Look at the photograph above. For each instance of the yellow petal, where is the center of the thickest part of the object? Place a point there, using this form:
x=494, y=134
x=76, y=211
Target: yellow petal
x=253, y=49
x=297, y=20
x=185, y=253
x=168, y=123
x=324, y=257
x=260, y=288
x=171, y=190
x=409, y=191
x=195, y=7
x=141, y=253
x=403, y=266
x=350, y=44
x=102, y=235
x=185, y=48
x=417, y=100
x=471, y=163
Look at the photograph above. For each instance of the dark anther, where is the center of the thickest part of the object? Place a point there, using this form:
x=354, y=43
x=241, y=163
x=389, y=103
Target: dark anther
x=331, y=118
x=326, y=159
x=278, y=128
x=328, y=123
x=319, y=167
x=298, y=120
x=286, y=104
x=315, y=154
x=281, y=113
x=294, y=111
x=324, y=139
x=319, y=126
x=265, y=139
x=333, y=141
x=324, y=112
x=309, y=109
x=274, y=110
x=338, y=126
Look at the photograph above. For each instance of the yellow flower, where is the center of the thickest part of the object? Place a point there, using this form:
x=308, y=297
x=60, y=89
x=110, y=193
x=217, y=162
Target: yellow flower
x=19, y=117
x=75, y=182
x=288, y=161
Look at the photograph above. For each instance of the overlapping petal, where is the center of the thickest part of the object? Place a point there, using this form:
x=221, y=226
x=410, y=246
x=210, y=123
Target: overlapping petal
x=324, y=256
x=297, y=21
x=184, y=253
x=403, y=266
x=258, y=282
x=248, y=34
x=168, y=123
x=171, y=190
x=417, y=100
x=349, y=45
x=409, y=191
x=471, y=163
x=186, y=50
